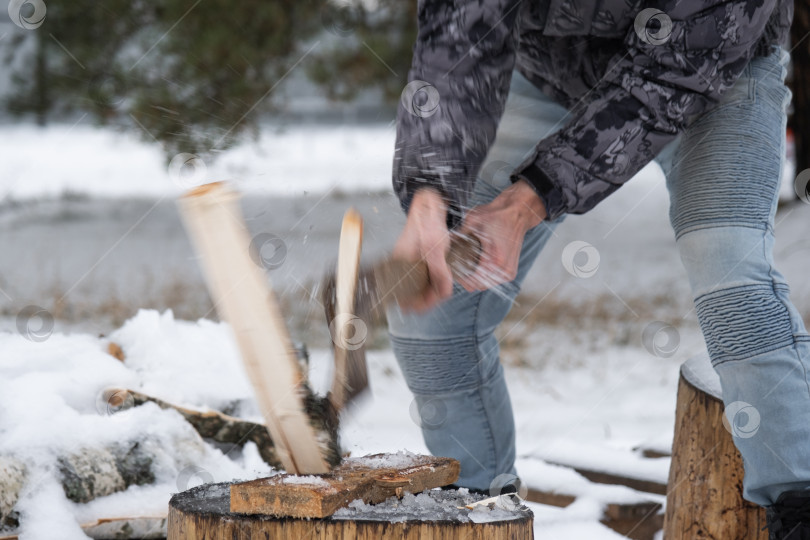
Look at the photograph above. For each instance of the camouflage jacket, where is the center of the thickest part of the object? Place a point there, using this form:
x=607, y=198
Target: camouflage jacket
x=633, y=73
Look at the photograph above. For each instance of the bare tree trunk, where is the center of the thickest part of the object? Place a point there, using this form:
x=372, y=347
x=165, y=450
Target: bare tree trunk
x=41, y=81
x=800, y=84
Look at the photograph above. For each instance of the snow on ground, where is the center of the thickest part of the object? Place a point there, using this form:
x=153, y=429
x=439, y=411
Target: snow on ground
x=49, y=403
x=583, y=384
x=51, y=408
x=102, y=162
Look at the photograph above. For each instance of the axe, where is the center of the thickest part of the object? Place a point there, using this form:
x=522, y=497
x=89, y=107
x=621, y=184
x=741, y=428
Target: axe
x=353, y=297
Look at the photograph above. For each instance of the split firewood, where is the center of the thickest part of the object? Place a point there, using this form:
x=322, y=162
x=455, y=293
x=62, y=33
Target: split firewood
x=243, y=297
x=372, y=479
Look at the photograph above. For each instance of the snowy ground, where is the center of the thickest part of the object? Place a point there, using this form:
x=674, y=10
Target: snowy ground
x=90, y=233
x=50, y=405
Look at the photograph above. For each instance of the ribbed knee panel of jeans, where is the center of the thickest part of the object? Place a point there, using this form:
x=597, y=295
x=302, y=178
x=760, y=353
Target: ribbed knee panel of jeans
x=740, y=298
x=462, y=403
x=743, y=322
x=438, y=366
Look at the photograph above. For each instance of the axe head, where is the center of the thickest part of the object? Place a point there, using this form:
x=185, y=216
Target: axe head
x=347, y=332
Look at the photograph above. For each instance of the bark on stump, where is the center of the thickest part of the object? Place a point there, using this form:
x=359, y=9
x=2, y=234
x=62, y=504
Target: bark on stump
x=705, y=479
x=203, y=512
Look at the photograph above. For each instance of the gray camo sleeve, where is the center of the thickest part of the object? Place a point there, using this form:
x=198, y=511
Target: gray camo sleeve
x=462, y=64
x=651, y=93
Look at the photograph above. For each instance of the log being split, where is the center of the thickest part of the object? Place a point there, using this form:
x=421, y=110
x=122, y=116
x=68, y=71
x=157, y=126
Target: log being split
x=371, y=479
x=242, y=296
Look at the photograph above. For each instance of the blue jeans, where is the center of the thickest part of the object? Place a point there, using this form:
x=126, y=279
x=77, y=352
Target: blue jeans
x=723, y=175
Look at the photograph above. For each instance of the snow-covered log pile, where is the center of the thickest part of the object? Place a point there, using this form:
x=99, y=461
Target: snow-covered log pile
x=87, y=436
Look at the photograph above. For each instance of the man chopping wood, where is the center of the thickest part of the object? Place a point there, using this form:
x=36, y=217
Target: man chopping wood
x=573, y=98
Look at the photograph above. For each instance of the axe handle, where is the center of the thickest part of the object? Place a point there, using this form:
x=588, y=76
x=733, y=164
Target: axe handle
x=402, y=280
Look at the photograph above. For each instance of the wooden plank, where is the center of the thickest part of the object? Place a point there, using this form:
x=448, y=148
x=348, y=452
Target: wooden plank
x=639, y=521
x=372, y=479
x=551, y=498
x=653, y=453
x=243, y=298
x=601, y=477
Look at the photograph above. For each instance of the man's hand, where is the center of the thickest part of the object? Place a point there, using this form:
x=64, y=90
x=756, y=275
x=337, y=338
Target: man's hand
x=425, y=236
x=501, y=226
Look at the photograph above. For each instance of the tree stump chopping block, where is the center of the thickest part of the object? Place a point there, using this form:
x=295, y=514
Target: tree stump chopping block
x=704, y=499
x=208, y=511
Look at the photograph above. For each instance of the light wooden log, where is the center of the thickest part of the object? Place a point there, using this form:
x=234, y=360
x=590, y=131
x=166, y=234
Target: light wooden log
x=320, y=496
x=242, y=296
x=705, y=480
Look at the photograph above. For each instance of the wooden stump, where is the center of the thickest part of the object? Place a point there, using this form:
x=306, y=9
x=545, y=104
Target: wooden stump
x=204, y=512
x=705, y=500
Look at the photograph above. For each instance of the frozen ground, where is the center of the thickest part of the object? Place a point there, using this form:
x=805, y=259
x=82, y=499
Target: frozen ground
x=50, y=408
x=90, y=233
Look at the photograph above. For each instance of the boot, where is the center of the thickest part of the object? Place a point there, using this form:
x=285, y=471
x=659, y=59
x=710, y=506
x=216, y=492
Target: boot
x=789, y=517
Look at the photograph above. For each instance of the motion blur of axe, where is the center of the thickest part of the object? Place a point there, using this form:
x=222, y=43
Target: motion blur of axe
x=354, y=297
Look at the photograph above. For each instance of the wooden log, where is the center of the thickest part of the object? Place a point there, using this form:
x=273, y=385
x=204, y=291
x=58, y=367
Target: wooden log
x=140, y=528
x=602, y=477
x=638, y=521
x=371, y=479
x=241, y=294
x=705, y=497
x=228, y=429
x=203, y=512
x=209, y=424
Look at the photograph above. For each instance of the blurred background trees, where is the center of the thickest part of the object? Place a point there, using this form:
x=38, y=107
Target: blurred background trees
x=195, y=75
